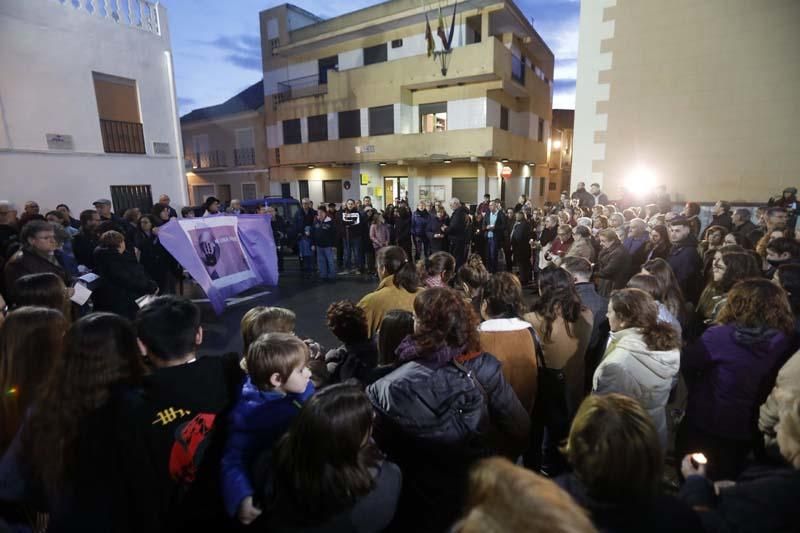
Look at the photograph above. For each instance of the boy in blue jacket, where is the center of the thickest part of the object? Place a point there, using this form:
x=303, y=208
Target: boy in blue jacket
x=277, y=385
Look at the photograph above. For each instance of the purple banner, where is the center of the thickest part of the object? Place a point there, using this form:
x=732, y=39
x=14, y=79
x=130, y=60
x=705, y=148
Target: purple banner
x=225, y=254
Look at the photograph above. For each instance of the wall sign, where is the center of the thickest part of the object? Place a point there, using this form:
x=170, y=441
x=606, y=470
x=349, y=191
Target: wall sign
x=347, y=185
x=506, y=172
x=161, y=148
x=58, y=141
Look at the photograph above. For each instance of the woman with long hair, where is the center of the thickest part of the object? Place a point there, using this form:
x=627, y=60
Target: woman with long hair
x=738, y=239
x=30, y=343
x=43, y=290
x=329, y=474
x=713, y=240
x=444, y=407
x=437, y=269
x=471, y=278
x=399, y=285
x=642, y=358
x=649, y=284
x=730, y=371
x=788, y=277
x=668, y=286
x=659, y=245
x=728, y=267
x=68, y=443
x=563, y=327
x=155, y=259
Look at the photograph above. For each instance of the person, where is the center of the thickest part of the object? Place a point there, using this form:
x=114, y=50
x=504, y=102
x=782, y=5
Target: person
x=436, y=233
x=503, y=497
x=520, y=203
x=183, y=408
x=235, y=207
x=738, y=239
x=729, y=371
x=43, y=290
x=62, y=220
x=582, y=245
x=323, y=236
x=187, y=212
x=75, y=223
x=549, y=231
x=613, y=448
x=164, y=199
x=713, y=239
x=276, y=386
x=787, y=201
x=584, y=197
x=613, y=263
x=397, y=289
x=357, y=357
x=379, y=233
x=444, y=407
x=329, y=474
x=761, y=499
x=781, y=251
x=485, y=206
x=563, y=329
x=157, y=262
x=67, y=444
x=84, y=243
x=636, y=243
x=598, y=196
x=729, y=267
x=788, y=278
x=478, y=244
x=305, y=250
x=36, y=256
x=506, y=336
x=691, y=213
x=123, y=279
x=642, y=358
x=521, y=248
x=685, y=259
x=161, y=213
x=436, y=270
x=617, y=222
x=456, y=231
x=30, y=341
x=352, y=224
x=30, y=212
x=211, y=206
x=721, y=215
x=397, y=325
x=470, y=280
x=494, y=227
x=649, y=284
x=419, y=228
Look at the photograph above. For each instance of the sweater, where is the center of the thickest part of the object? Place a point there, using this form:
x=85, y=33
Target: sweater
x=510, y=341
x=788, y=380
x=385, y=298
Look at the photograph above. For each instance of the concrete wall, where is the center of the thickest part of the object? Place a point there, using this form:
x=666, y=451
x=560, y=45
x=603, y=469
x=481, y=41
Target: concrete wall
x=49, y=52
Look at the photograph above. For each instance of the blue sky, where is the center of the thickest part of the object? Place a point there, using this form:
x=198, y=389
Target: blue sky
x=217, y=50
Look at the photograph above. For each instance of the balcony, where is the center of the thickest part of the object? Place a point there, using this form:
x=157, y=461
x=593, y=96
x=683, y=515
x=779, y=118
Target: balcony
x=122, y=137
x=243, y=157
x=517, y=70
x=210, y=159
x=300, y=88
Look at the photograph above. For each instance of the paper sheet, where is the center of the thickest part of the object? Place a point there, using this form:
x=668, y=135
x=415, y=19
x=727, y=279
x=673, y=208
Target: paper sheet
x=81, y=295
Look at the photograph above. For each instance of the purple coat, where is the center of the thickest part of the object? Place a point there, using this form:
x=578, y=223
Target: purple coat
x=730, y=371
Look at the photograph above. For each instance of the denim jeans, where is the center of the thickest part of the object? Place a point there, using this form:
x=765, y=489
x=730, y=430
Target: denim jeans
x=326, y=261
x=352, y=253
x=422, y=248
x=491, y=244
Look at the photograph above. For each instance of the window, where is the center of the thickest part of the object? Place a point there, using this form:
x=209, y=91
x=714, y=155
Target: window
x=118, y=108
x=325, y=64
x=433, y=117
x=125, y=197
x=303, y=186
x=318, y=128
x=397, y=43
x=244, y=153
x=375, y=54
x=540, y=135
x=381, y=120
x=541, y=186
x=518, y=69
x=349, y=124
x=503, y=118
x=332, y=191
x=249, y=191
x=286, y=190
x=291, y=131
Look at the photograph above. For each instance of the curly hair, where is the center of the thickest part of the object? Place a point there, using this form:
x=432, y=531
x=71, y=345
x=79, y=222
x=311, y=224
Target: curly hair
x=757, y=303
x=738, y=266
x=473, y=274
x=444, y=319
x=637, y=309
x=502, y=295
x=557, y=299
x=347, y=321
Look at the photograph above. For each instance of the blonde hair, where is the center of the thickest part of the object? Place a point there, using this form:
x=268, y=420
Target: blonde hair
x=272, y=353
x=505, y=498
x=260, y=320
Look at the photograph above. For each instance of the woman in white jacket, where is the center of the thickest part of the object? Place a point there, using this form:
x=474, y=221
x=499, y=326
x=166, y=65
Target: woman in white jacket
x=643, y=355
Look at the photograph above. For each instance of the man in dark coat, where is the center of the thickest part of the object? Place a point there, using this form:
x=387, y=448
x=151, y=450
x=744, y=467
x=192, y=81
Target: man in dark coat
x=122, y=278
x=37, y=256
x=613, y=263
x=741, y=224
x=685, y=259
x=457, y=232
x=494, y=227
x=721, y=215
x=598, y=196
x=636, y=244
x=419, y=229
x=583, y=196
x=521, y=248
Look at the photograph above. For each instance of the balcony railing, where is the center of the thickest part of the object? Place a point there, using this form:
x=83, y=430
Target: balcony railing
x=139, y=14
x=244, y=156
x=210, y=159
x=517, y=69
x=300, y=88
x=122, y=137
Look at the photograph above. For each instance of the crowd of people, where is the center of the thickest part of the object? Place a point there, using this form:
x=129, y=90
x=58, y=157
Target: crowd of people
x=574, y=367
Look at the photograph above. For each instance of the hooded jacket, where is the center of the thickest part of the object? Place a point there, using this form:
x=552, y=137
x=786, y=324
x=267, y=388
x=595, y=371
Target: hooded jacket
x=688, y=267
x=730, y=371
x=629, y=367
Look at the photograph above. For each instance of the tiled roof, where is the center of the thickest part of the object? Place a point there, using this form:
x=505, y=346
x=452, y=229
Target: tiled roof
x=249, y=99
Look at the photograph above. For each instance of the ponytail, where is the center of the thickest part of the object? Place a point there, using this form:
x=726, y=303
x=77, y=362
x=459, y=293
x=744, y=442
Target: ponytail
x=394, y=260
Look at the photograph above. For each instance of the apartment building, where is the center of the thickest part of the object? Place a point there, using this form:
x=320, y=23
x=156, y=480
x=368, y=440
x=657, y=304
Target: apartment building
x=698, y=96
x=356, y=105
x=87, y=104
x=225, y=148
x=560, y=149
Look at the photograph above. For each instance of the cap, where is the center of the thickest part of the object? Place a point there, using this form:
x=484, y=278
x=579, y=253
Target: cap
x=679, y=220
x=102, y=201
x=792, y=190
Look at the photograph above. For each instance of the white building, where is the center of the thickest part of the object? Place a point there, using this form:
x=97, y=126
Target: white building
x=87, y=104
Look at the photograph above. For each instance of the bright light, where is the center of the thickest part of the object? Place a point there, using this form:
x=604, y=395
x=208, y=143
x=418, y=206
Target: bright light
x=640, y=181
x=556, y=144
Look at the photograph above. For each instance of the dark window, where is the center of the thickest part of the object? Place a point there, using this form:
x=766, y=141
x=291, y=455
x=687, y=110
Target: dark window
x=349, y=124
x=542, y=182
x=381, y=120
x=325, y=64
x=540, y=137
x=303, y=184
x=397, y=43
x=332, y=191
x=286, y=190
x=552, y=185
x=318, y=128
x=125, y=197
x=503, y=118
x=375, y=54
x=291, y=131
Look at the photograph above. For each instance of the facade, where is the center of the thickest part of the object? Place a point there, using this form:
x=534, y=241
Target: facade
x=561, y=153
x=87, y=105
x=698, y=96
x=225, y=146
x=355, y=105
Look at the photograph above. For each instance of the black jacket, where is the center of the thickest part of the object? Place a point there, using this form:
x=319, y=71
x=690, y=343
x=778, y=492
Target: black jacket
x=434, y=228
x=521, y=236
x=688, y=267
x=324, y=233
x=352, y=361
x=83, y=245
x=585, y=197
x=744, y=229
x=613, y=269
x=156, y=260
x=402, y=229
x=26, y=262
x=723, y=220
x=457, y=229
x=500, y=226
x=123, y=280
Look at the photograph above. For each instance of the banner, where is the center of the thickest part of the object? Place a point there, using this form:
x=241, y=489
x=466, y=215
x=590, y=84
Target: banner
x=224, y=254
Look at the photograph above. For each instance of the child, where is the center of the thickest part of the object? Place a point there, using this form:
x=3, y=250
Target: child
x=276, y=387
x=324, y=237
x=358, y=355
x=306, y=250
x=260, y=320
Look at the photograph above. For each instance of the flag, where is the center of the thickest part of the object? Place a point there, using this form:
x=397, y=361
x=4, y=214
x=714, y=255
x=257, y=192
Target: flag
x=429, y=36
x=440, y=30
x=225, y=255
x=452, y=27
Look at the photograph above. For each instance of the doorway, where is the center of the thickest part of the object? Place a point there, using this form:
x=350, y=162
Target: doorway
x=394, y=189
x=201, y=192
x=466, y=190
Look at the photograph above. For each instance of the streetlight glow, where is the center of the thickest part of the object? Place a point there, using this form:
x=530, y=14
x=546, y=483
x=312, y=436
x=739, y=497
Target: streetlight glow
x=640, y=180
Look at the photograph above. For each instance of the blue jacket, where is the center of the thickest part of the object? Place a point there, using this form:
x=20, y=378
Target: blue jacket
x=419, y=223
x=688, y=267
x=257, y=421
x=324, y=233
